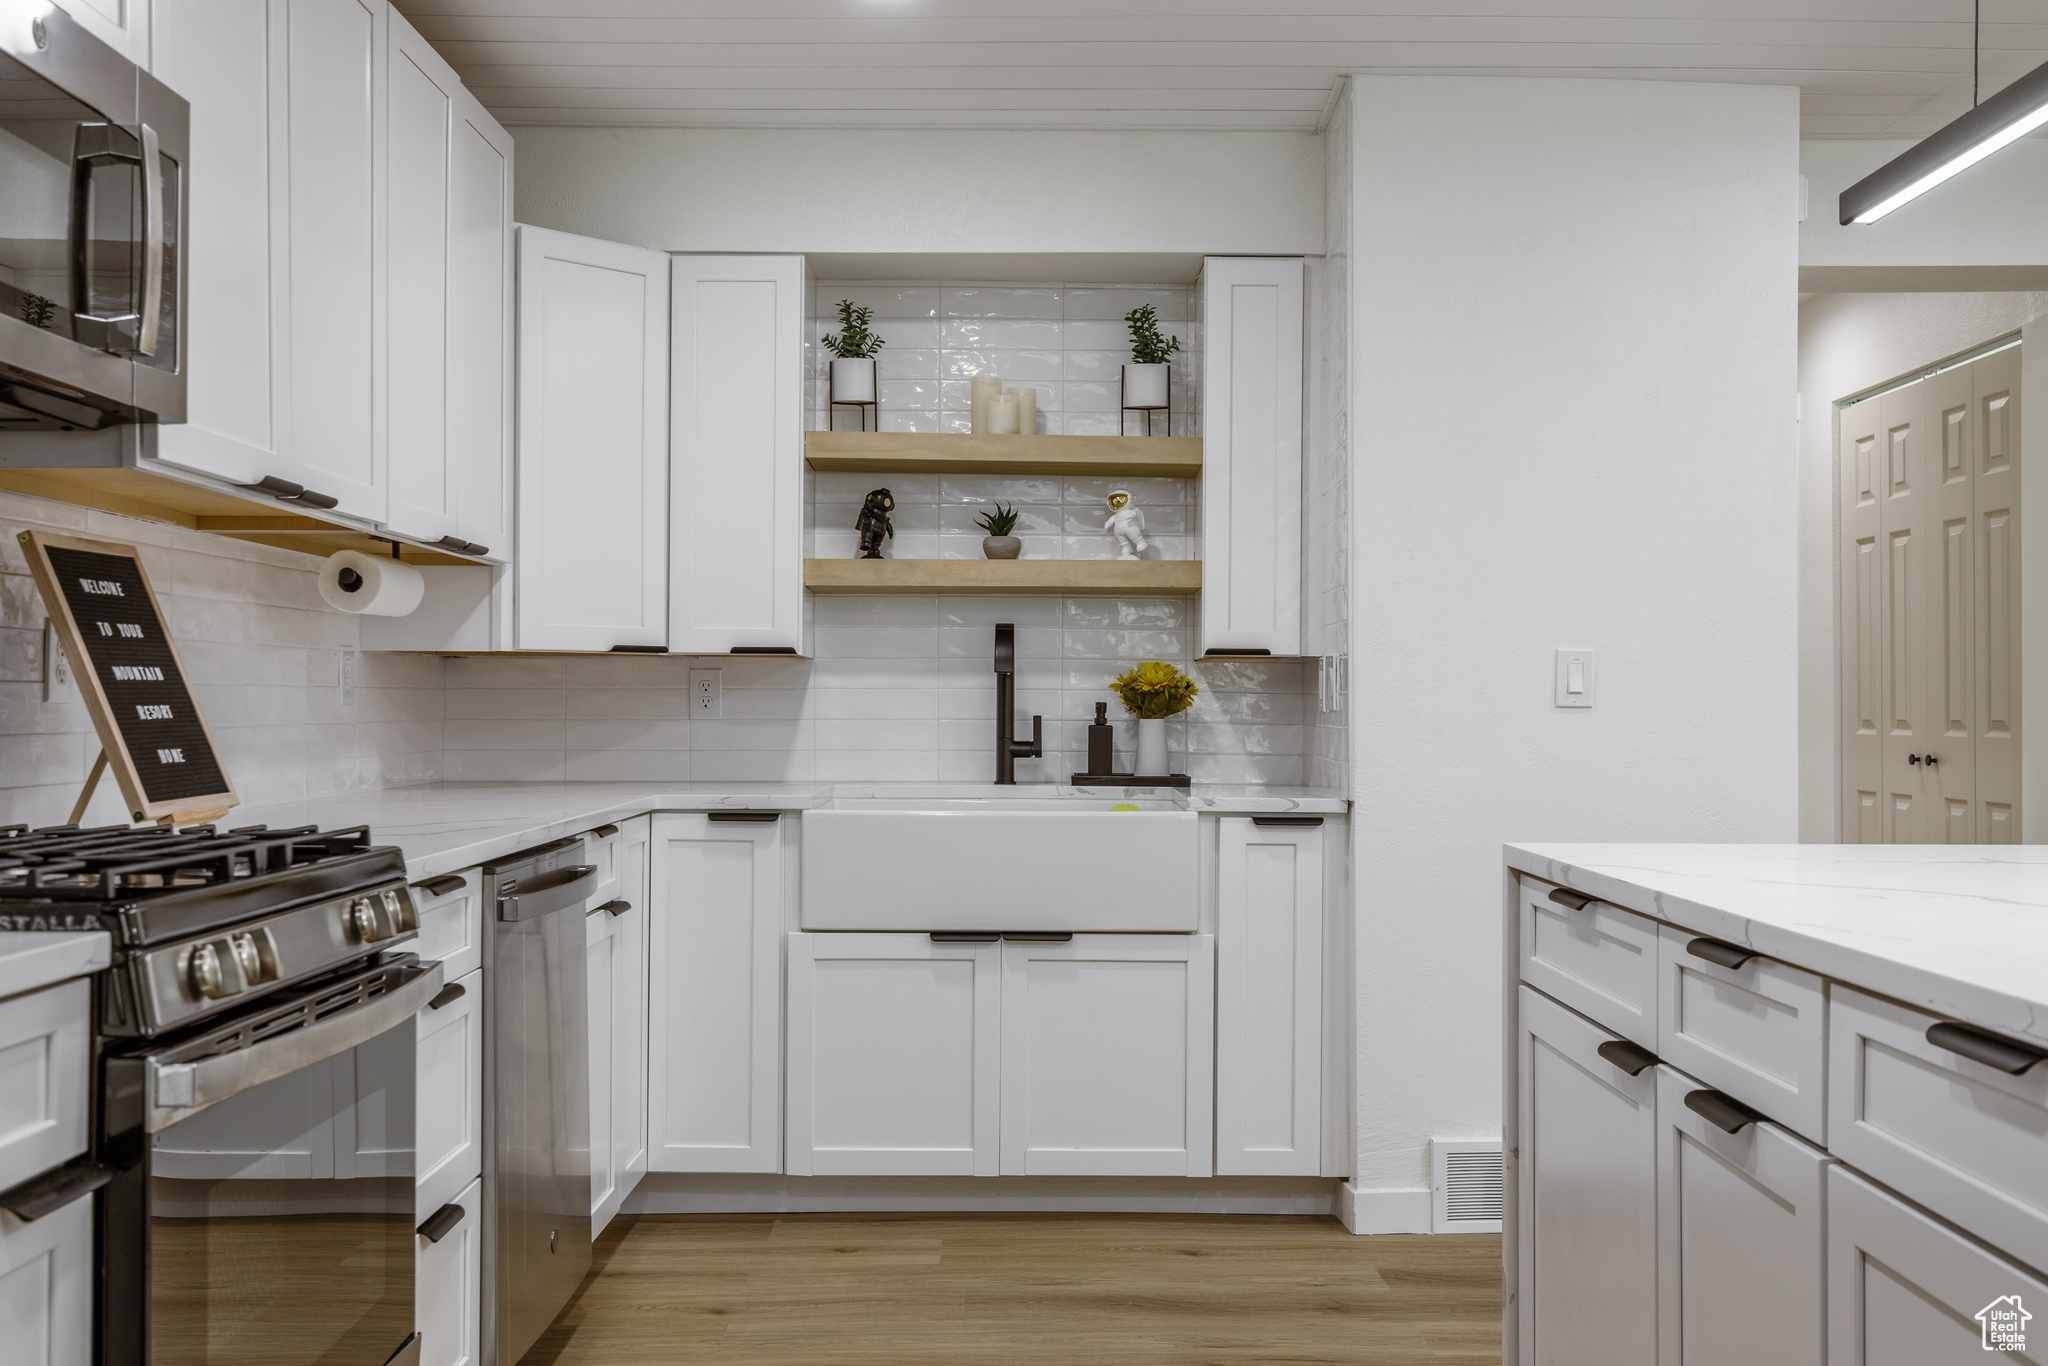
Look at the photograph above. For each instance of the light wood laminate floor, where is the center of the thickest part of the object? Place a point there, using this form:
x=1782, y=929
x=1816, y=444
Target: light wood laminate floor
x=950, y=1290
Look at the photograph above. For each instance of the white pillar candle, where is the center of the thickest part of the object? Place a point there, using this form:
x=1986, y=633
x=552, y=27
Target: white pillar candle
x=983, y=389
x=1027, y=409
x=1002, y=416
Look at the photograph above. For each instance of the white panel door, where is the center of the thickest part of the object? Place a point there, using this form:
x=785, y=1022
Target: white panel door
x=480, y=327
x=1251, y=454
x=592, y=569
x=217, y=54
x=736, y=432
x=450, y=1081
x=1587, y=1193
x=1109, y=1056
x=447, y=1280
x=1863, y=626
x=1741, y=1238
x=1995, y=399
x=1904, y=1290
x=1269, y=999
x=629, y=1009
x=1905, y=471
x=714, y=937
x=45, y=1070
x=327, y=186
x=894, y=1050
x=420, y=93
x=1949, y=596
x=46, y=1283
x=604, y=1179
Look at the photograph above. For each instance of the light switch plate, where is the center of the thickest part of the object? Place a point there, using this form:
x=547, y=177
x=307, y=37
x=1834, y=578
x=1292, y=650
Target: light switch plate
x=56, y=669
x=705, y=701
x=1577, y=677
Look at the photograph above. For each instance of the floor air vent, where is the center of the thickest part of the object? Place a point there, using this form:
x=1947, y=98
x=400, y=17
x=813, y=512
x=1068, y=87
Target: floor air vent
x=1466, y=1186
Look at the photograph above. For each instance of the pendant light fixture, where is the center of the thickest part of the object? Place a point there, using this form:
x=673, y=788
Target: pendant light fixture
x=2003, y=119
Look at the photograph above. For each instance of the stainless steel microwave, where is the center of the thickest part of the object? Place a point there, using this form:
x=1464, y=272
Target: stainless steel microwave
x=93, y=152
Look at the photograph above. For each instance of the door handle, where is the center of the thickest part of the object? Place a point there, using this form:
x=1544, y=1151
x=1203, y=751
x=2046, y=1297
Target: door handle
x=1721, y=1111
x=1569, y=899
x=447, y=996
x=1912, y=758
x=1719, y=954
x=441, y=886
x=441, y=1222
x=97, y=144
x=2006, y=1055
x=1626, y=1056
x=743, y=817
x=618, y=907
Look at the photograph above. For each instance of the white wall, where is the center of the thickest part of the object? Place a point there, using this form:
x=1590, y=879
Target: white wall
x=1985, y=230
x=1849, y=343
x=1573, y=398
x=680, y=189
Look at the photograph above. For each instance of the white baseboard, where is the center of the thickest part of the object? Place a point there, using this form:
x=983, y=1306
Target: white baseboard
x=1383, y=1211
x=675, y=1193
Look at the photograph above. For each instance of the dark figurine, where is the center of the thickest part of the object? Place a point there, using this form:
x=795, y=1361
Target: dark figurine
x=873, y=524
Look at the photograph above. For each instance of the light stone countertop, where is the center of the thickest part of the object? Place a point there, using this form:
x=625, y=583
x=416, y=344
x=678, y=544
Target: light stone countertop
x=31, y=959
x=1957, y=930
x=443, y=827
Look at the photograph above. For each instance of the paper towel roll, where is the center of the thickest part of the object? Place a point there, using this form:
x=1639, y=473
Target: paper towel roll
x=370, y=584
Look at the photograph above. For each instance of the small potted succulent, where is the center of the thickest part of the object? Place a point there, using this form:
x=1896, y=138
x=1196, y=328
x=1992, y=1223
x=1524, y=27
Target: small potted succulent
x=1148, y=376
x=853, y=348
x=999, y=544
x=1152, y=692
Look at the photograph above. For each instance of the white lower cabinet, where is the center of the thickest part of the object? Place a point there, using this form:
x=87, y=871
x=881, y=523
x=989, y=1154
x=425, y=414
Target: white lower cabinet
x=1108, y=1056
x=451, y=912
x=894, y=1052
x=1587, y=1192
x=450, y=1086
x=45, y=1048
x=1740, y=1238
x=616, y=934
x=1905, y=1290
x=714, y=943
x=46, y=1280
x=447, y=1274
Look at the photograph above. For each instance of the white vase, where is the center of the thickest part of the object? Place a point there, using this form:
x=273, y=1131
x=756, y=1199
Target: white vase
x=1147, y=386
x=1152, y=748
x=853, y=380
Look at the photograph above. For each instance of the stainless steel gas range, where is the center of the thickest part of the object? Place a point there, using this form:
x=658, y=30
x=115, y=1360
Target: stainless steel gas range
x=254, y=1125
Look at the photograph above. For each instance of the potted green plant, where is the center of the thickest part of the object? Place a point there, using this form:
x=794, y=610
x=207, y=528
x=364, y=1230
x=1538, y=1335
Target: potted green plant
x=853, y=349
x=999, y=544
x=1148, y=379
x=1152, y=692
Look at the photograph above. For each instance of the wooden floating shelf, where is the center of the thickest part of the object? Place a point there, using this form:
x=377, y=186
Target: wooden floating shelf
x=197, y=507
x=1133, y=578
x=1116, y=457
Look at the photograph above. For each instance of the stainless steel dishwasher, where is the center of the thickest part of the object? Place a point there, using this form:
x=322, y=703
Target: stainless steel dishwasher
x=537, y=1180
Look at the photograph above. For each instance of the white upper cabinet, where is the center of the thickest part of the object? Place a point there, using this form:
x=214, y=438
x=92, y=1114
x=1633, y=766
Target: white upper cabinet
x=736, y=436
x=592, y=569
x=480, y=328
x=1251, y=455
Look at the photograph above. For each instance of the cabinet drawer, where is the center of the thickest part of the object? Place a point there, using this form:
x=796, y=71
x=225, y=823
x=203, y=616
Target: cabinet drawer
x=1968, y=1141
x=1598, y=959
x=1904, y=1290
x=1740, y=1239
x=452, y=922
x=450, y=1080
x=1757, y=1031
x=44, y=1040
x=46, y=1276
x=601, y=850
x=446, y=1285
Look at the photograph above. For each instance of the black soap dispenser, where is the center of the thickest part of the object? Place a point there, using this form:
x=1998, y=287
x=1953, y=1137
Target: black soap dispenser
x=1101, y=737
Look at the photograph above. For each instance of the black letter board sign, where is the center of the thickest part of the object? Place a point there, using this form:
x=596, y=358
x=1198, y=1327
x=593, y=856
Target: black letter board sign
x=128, y=668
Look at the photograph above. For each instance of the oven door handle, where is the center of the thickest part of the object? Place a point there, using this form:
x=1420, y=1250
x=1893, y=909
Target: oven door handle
x=179, y=1090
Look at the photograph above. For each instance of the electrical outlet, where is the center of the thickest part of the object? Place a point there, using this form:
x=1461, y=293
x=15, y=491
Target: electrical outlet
x=345, y=674
x=56, y=668
x=704, y=694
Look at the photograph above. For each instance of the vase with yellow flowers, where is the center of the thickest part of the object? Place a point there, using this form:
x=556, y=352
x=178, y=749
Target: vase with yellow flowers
x=1152, y=692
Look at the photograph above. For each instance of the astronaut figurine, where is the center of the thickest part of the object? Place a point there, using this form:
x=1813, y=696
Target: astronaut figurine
x=1125, y=523
x=873, y=524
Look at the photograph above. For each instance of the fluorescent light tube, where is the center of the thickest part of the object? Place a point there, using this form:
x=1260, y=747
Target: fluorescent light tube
x=2003, y=119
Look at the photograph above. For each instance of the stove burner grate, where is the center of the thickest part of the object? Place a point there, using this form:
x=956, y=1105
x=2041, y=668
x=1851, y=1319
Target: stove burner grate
x=119, y=862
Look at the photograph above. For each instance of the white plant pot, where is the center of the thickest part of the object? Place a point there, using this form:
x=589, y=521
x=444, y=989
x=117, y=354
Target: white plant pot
x=1152, y=747
x=1147, y=386
x=853, y=381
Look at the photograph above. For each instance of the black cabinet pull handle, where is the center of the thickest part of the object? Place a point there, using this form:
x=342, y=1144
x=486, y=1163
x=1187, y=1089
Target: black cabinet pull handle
x=963, y=937
x=605, y=832
x=447, y=996
x=285, y=491
x=1721, y=1111
x=1991, y=1050
x=441, y=1223
x=744, y=817
x=1569, y=899
x=53, y=1190
x=441, y=886
x=1228, y=654
x=1037, y=937
x=618, y=907
x=1627, y=1056
x=764, y=649
x=1287, y=820
x=639, y=650
x=1719, y=954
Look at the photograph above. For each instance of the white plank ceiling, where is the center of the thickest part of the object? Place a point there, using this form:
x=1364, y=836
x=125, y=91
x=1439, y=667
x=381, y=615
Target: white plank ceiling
x=1866, y=68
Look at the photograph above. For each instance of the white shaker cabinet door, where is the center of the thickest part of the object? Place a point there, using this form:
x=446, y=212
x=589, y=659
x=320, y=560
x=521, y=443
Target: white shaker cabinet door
x=1109, y=1056
x=600, y=947
x=592, y=568
x=447, y=1283
x=616, y=936
x=893, y=1055
x=450, y=1080
x=1251, y=454
x=46, y=1284
x=1587, y=1192
x=45, y=1078
x=714, y=1067
x=1269, y=999
x=736, y=436
x=480, y=327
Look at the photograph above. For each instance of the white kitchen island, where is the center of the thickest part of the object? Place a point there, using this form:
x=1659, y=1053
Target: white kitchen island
x=1775, y=1103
